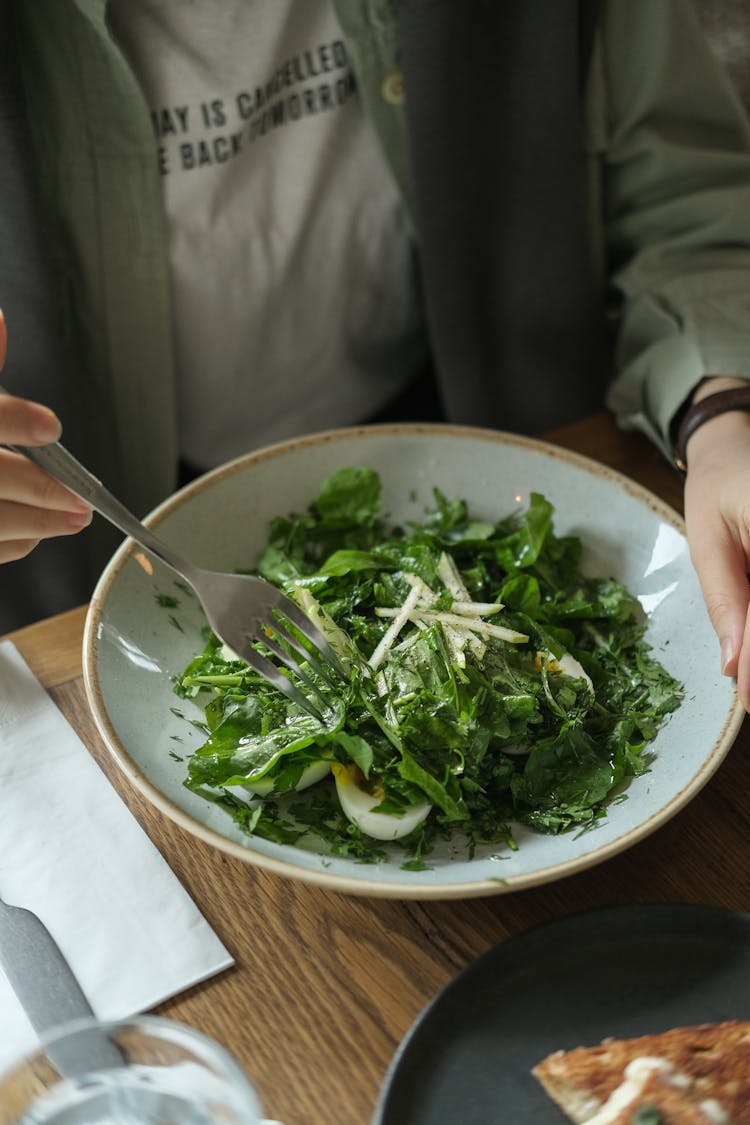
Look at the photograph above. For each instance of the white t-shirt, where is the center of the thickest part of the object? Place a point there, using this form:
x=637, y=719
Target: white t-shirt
x=293, y=280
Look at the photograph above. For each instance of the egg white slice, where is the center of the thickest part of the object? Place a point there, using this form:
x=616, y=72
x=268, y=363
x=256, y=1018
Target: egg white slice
x=262, y=786
x=568, y=665
x=573, y=668
x=359, y=807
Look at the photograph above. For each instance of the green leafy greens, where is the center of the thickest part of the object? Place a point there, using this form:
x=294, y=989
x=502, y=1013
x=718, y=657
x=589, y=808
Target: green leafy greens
x=490, y=681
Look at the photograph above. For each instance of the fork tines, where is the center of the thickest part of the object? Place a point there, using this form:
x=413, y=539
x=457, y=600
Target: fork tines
x=269, y=671
x=278, y=639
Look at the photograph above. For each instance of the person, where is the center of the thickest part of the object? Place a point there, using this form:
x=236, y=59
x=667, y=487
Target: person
x=223, y=224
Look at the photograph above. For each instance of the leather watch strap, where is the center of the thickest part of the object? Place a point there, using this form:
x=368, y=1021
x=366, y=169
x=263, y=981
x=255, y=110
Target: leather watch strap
x=737, y=398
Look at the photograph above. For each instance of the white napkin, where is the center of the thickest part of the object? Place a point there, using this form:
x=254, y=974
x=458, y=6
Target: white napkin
x=71, y=851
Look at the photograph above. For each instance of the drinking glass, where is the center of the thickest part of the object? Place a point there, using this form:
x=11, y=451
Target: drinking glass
x=140, y=1071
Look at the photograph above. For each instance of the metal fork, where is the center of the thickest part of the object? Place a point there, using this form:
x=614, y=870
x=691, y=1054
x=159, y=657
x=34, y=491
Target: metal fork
x=241, y=609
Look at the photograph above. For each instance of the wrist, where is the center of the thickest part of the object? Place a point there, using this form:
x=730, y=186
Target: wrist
x=715, y=383
x=697, y=425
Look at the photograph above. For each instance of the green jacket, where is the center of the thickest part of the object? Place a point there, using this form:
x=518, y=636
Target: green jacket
x=665, y=172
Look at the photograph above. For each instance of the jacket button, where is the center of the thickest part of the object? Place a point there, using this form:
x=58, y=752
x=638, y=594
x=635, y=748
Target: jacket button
x=392, y=88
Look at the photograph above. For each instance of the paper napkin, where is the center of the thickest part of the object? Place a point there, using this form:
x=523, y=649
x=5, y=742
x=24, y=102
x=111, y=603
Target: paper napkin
x=71, y=851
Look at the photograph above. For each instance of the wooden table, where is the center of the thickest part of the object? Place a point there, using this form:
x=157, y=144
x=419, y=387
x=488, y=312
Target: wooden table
x=325, y=986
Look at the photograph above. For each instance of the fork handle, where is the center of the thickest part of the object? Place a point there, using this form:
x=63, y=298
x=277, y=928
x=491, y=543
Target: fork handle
x=56, y=460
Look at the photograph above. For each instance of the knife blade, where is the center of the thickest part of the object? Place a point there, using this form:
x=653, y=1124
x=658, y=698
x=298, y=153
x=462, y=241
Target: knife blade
x=49, y=992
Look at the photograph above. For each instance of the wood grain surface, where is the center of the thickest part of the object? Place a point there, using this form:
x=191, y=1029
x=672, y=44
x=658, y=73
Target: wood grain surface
x=325, y=986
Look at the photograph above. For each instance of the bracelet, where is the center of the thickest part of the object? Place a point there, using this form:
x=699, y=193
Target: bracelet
x=737, y=398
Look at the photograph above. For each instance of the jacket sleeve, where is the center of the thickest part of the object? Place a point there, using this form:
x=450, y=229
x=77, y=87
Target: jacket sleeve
x=58, y=574
x=27, y=295
x=675, y=194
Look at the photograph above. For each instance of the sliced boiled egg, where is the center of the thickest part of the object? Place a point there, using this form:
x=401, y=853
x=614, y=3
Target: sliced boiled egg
x=262, y=786
x=360, y=807
x=566, y=664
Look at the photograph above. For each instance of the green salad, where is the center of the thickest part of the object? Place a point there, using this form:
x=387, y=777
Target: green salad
x=489, y=682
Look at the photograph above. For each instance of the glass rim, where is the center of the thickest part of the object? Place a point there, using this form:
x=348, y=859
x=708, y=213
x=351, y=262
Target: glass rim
x=160, y=1027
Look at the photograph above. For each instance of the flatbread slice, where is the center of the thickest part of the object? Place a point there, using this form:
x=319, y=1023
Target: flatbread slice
x=686, y=1076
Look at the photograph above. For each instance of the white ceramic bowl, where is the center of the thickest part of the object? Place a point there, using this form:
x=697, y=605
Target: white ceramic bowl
x=134, y=646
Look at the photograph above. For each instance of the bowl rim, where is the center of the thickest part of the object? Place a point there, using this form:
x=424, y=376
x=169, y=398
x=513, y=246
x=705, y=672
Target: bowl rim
x=324, y=877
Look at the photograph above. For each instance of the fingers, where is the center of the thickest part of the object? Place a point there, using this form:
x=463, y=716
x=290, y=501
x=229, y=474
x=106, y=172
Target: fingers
x=23, y=422
x=26, y=423
x=34, y=506
x=743, y=668
x=721, y=567
x=23, y=526
x=717, y=512
x=17, y=549
x=22, y=482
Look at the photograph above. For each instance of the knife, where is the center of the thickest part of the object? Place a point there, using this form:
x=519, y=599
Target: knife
x=49, y=993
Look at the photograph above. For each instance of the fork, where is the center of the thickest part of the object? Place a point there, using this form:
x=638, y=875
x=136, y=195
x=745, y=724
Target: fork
x=241, y=609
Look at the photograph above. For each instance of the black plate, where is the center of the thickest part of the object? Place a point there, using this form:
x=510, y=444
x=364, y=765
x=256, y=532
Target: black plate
x=622, y=971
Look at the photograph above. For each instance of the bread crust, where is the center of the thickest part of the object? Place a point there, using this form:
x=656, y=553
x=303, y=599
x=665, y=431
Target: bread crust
x=714, y=1060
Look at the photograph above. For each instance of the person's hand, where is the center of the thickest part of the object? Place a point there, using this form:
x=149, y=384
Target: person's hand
x=717, y=512
x=33, y=506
